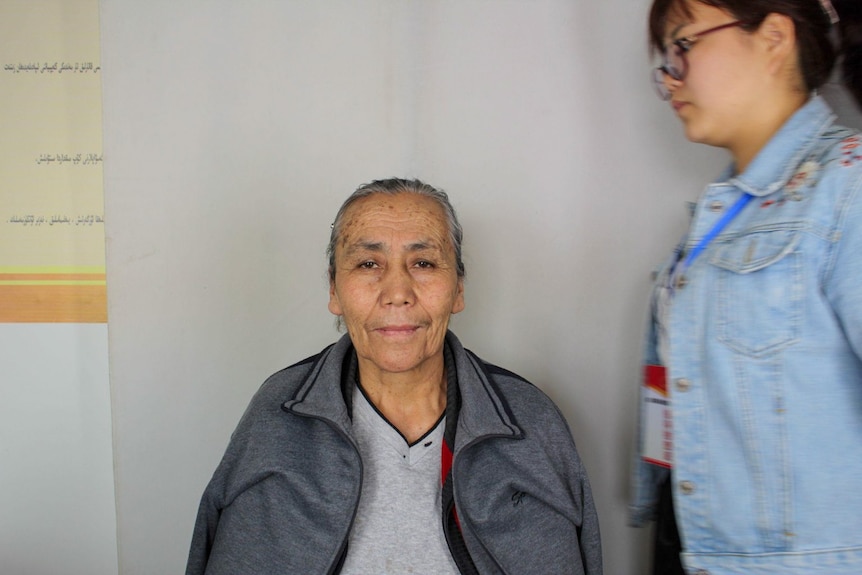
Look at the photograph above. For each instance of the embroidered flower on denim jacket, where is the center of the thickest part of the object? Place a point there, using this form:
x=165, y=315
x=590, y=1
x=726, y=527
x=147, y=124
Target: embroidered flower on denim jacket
x=805, y=176
x=850, y=150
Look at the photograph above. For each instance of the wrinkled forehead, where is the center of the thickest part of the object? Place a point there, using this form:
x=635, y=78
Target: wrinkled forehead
x=402, y=213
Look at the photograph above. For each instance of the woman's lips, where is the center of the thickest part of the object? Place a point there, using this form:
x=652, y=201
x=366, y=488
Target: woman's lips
x=396, y=330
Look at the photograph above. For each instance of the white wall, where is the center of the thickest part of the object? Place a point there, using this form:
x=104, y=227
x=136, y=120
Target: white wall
x=233, y=131
x=56, y=480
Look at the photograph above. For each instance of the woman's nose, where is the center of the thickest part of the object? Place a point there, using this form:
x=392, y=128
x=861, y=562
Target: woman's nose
x=397, y=287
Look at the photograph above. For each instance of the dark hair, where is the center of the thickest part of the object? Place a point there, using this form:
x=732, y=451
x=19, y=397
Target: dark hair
x=817, y=54
x=399, y=186
x=850, y=25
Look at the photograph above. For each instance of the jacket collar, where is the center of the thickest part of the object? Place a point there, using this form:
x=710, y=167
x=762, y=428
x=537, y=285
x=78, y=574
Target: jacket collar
x=779, y=160
x=483, y=411
x=320, y=395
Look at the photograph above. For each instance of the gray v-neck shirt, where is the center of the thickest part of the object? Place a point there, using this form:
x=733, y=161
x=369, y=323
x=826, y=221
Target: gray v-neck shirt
x=398, y=527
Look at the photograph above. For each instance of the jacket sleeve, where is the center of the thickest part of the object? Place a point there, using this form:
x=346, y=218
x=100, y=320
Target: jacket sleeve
x=844, y=275
x=589, y=537
x=646, y=477
x=205, y=528
x=584, y=513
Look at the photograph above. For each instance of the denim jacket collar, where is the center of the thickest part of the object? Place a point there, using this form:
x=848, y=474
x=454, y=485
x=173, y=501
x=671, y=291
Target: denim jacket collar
x=779, y=160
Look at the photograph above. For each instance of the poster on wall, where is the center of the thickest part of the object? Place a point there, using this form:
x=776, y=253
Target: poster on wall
x=52, y=237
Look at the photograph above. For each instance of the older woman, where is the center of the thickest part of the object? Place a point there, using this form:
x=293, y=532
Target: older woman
x=396, y=450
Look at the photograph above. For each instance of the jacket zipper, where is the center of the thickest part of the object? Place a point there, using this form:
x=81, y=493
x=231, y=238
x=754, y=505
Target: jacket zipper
x=335, y=567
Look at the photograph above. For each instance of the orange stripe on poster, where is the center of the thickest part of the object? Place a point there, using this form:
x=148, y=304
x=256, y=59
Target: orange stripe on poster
x=51, y=277
x=53, y=303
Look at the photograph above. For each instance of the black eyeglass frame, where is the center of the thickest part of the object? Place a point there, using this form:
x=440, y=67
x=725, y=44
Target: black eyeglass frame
x=680, y=48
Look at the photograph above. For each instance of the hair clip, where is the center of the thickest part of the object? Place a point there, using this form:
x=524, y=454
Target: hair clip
x=830, y=11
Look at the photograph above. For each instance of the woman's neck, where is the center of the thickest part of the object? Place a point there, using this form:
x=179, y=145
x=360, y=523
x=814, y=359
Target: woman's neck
x=762, y=127
x=412, y=402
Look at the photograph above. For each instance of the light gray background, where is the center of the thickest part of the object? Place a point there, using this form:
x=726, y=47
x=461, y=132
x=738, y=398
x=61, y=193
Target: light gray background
x=233, y=131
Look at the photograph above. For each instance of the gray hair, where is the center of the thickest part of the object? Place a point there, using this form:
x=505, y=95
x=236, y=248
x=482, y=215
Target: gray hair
x=394, y=186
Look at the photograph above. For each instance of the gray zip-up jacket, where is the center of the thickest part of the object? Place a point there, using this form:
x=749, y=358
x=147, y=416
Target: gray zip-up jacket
x=285, y=495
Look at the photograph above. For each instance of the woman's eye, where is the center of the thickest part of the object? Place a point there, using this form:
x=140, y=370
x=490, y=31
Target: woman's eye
x=424, y=264
x=682, y=46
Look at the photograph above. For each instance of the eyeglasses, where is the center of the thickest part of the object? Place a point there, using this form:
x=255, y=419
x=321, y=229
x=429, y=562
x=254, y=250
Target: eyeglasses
x=675, y=64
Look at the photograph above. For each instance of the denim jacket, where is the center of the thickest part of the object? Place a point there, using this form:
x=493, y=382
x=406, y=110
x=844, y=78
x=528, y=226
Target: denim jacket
x=762, y=340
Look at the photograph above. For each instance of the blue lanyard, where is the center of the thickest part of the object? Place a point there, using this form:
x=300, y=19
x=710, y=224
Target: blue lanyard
x=716, y=229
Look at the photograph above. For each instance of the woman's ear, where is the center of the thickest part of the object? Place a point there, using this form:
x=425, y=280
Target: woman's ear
x=777, y=33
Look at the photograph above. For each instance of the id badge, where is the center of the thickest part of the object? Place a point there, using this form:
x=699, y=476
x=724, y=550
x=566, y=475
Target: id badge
x=656, y=420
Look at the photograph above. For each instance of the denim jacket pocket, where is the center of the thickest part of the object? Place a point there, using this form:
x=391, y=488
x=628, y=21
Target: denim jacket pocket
x=759, y=291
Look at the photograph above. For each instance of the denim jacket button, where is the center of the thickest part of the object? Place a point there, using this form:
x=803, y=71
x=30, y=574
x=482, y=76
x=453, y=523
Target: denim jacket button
x=687, y=487
x=683, y=384
x=681, y=282
x=716, y=206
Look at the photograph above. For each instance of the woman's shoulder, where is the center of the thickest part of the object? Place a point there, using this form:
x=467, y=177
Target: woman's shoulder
x=842, y=149
x=840, y=165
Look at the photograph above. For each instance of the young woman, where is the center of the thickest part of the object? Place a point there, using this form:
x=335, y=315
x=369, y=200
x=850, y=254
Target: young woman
x=751, y=424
